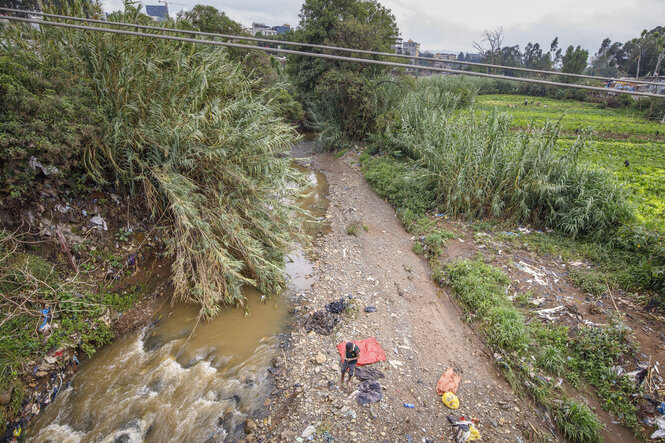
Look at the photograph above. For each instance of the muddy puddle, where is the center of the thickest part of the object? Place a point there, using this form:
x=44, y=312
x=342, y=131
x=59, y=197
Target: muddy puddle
x=165, y=383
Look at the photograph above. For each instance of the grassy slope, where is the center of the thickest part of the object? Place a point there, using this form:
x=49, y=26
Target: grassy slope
x=619, y=135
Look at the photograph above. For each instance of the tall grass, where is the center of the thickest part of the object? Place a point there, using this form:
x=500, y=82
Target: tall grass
x=480, y=167
x=187, y=131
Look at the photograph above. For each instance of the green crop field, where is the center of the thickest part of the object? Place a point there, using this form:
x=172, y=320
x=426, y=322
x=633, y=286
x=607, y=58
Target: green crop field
x=618, y=135
x=610, y=123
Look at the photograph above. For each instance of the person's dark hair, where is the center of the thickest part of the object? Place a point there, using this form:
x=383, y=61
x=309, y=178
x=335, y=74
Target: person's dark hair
x=349, y=346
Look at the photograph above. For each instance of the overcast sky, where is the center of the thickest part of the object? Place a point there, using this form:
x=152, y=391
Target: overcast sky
x=455, y=25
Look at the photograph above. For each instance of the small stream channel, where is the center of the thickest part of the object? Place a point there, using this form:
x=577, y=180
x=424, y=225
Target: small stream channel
x=160, y=384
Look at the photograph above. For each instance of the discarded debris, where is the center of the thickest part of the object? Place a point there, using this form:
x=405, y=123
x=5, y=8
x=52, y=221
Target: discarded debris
x=322, y=322
x=450, y=400
x=369, y=391
x=336, y=307
x=99, y=222
x=464, y=429
x=448, y=382
x=552, y=314
x=364, y=373
x=370, y=309
x=46, y=170
x=660, y=432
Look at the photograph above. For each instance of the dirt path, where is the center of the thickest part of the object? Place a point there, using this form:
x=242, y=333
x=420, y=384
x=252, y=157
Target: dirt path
x=416, y=323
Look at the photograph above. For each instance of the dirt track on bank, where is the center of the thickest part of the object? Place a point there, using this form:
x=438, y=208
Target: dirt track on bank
x=418, y=326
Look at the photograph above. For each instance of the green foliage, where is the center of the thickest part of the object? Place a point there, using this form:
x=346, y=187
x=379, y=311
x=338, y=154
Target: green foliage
x=592, y=282
x=552, y=360
x=209, y=19
x=46, y=112
x=479, y=167
x=574, y=60
x=121, y=302
x=597, y=350
x=435, y=241
x=343, y=99
x=352, y=229
x=404, y=184
x=196, y=138
x=578, y=423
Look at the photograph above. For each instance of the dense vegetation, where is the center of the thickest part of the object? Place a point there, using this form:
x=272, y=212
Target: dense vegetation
x=183, y=128
x=341, y=98
x=193, y=135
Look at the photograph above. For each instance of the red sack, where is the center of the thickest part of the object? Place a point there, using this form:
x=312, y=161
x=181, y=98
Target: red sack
x=449, y=382
x=370, y=351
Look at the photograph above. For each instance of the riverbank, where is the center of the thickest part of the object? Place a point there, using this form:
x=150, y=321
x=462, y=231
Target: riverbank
x=92, y=265
x=416, y=323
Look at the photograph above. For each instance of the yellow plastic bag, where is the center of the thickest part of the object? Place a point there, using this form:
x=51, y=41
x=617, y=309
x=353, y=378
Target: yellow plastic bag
x=449, y=399
x=475, y=435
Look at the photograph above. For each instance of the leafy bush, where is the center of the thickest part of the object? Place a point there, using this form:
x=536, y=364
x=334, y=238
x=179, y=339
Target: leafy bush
x=187, y=130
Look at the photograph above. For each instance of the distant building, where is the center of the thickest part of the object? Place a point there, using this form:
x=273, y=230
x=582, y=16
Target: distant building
x=397, y=47
x=265, y=31
x=411, y=48
x=282, y=29
x=157, y=12
x=445, y=57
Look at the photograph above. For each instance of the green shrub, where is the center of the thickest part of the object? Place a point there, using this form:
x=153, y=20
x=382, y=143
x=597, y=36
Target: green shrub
x=405, y=185
x=578, y=423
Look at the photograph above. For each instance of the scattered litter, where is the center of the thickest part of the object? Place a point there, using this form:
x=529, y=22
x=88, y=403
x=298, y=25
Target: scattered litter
x=464, y=429
x=309, y=430
x=99, y=222
x=660, y=432
x=661, y=408
x=321, y=322
x=46, y=170
x=45, y=326
x=369, y=392
x=576, y=263
x=552, y=314
x=62, y=208
x=450, y=400
x=364, y=373
x=370, y=309
x=538, y=276
x=336, y=307
x=448, y=382
x=409, y=405
x=538, y=301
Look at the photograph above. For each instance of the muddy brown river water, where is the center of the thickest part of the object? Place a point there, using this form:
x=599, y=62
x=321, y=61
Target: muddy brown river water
x=165, y=383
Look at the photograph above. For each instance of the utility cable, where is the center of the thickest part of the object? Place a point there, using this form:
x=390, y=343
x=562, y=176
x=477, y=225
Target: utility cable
x=328, y=56
x=335, y=48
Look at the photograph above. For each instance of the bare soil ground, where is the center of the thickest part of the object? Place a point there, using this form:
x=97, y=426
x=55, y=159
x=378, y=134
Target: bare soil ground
x=418, y=326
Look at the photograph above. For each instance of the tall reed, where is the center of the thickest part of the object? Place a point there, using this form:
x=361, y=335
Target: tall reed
x=188, y=131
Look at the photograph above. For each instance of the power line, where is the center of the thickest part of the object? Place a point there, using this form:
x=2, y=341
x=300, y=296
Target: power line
x=327, y=56
x=335, y=48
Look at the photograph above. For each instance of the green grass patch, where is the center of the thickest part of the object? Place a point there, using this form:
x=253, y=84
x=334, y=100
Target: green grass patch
x=577, y=115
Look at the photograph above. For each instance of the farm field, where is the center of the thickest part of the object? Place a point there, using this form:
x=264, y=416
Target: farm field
x=617, y=135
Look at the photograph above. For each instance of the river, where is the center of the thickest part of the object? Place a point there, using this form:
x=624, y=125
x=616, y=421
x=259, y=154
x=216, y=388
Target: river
x=165, y=383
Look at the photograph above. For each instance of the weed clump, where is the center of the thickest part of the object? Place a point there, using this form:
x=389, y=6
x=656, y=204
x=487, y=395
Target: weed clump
x=578, y=423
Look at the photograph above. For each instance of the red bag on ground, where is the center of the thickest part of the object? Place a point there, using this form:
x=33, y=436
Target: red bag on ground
x=370, y=351
x=449, y=382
